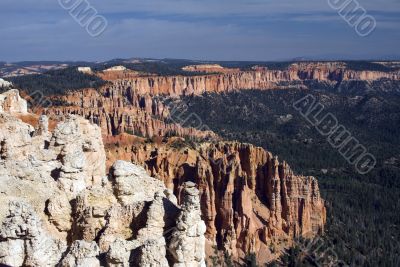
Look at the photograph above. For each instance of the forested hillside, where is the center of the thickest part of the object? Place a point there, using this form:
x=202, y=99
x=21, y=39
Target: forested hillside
x=56, y=82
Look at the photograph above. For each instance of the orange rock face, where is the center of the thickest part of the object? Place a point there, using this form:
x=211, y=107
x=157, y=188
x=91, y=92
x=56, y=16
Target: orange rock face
x=262, y=79
x=120, y=74
x=249, y=199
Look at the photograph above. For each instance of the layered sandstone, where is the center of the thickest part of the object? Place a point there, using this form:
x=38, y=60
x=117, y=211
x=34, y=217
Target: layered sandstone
x=249, y=200
x=123, y=111
x=130, y=102
x=260, y=78
x=58, y=206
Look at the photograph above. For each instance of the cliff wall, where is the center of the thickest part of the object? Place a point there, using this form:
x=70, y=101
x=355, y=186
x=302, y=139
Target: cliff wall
x=249, y=200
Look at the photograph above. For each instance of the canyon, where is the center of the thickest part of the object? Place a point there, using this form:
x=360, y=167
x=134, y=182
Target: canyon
x=134, y=102
x=76, y=212
x=250, y=201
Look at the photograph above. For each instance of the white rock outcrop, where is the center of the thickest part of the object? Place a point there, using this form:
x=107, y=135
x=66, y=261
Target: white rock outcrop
x=81, y=152
x=82, y=254
x=24, y=242
x=43, y=126
x=87, y=70
x=116, y=68
x=11, y=102
x=130, y=180
x=4, y=83
x=59, y=207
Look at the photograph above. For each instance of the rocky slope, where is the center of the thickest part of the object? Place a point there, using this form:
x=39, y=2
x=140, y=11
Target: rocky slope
x=250, y=201
x=59, y=207
x=123, y=111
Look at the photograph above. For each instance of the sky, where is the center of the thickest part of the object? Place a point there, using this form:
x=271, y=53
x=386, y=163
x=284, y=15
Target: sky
x=257, y=30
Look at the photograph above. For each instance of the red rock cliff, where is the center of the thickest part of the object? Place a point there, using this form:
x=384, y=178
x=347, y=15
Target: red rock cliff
x=123, y=111
x=259, y=79
x=249, y=199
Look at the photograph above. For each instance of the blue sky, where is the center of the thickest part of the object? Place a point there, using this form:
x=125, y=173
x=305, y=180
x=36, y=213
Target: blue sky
x=196, y=29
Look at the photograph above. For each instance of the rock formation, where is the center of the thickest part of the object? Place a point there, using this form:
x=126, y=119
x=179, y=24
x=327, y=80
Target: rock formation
x=87, y=70
x=131, y=102
x=249, y=200
x=82, y=253
x=4, y=83
x=209, y=68
x=116, y=68
x=263, y=79
x=58, y=206
x=190, y=229
x=10, y=101
x=42, y=126
x=24, y=242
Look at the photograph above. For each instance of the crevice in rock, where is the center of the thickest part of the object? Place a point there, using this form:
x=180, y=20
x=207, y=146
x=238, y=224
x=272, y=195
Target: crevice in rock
x=72, y=234
x=139, y=221
x=46, y=144
x=55, y=174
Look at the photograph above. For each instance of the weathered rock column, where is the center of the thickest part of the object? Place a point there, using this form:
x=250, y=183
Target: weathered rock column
x=187, y=244
x=43, y=126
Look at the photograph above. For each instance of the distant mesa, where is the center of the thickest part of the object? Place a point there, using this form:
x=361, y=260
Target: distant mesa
x=120, y=73
x=259, y=68
x=209, y=68
x=203, y=67
x=116, y=68
x=112, y=69
x=87, y=70
x=389, y=64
